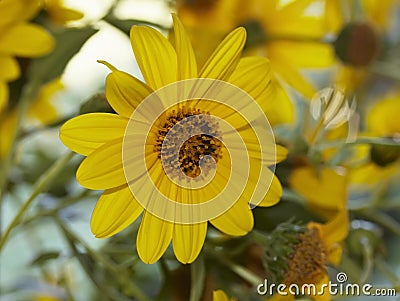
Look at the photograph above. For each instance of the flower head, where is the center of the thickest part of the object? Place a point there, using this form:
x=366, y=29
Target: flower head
x=19, y=38
x=106, y=141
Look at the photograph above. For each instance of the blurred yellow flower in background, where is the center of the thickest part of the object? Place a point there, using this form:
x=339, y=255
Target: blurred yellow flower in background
x=220, y=295
x=19, y=38
x=288, y=37
x=41, y=111
x=324, y=190
x=100, y=136
x=383, y=161
x=59, y=14
x=359, y=39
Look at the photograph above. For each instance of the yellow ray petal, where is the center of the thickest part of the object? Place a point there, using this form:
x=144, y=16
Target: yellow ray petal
x=322, y=286
x=102, y=169
x=9, y=68
x=253, y=75
x=336, y=229
x=224, y=59
x=383, y=117
x=188, y=241
x=155, y=55
x=335, y=254
x=327, y=190
x=85, y=133
x=115, y=210
x=273, y=195
x=292, y=77
x=153, y=238
x=302, y=54
x=236, y=221
x=124, y=92
x=3, y=95
x=187, y=66
x=7, y=128
x=220, y=295
x=26, y=40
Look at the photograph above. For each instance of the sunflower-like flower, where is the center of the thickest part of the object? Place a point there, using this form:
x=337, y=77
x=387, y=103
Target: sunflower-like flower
x=359, y=41
x=100, y=137
x=19, y=38
x=282, y=32
x=306, y=261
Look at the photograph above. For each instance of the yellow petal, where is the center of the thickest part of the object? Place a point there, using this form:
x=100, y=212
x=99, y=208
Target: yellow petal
x=236, y=221
x=124, y=92
x=334, y=15
x=220, y=295
x=292, y=77
x=335, y=254
x=336, y=229
x=153, y=238
x=383, y=118
x=324, y=190
x=115, y=210
x=322, y=286
x=188, y=241
x=26, y=40
x=9, y=68
x=253, y=75
x=302, y=54
x=42, y=108
x=3, y=95
x=273, y=195
x=102, y=169
x=155, y=55
x=187, y=66
x=7, y=127
x=85, y=133
x=224, y=59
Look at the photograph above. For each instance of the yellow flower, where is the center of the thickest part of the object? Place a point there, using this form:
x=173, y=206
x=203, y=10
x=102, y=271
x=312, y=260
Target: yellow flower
x=60, y=14
x=325, y=190
x=220, y=295
x=283, y=33
x=382, y=121
x=40, y=111
x=318, y=246
x=358, y=41
x=100, y=137
x=19, y=38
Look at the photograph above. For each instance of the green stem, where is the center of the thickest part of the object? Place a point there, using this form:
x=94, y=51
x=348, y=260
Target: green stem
x=382, y=219
x=117, y=273
x=39, y=187
x=197, y=278
x=247, y=275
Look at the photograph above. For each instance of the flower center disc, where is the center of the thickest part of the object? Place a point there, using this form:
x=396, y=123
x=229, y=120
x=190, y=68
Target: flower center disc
x=307, y=263
x=196, y=153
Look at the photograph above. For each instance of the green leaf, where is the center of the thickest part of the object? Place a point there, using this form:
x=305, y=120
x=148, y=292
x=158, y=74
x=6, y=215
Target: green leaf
x=68, y=42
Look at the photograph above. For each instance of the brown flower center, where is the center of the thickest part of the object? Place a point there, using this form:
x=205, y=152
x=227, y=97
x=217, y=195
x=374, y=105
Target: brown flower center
x=357, y=44
x=196, y=153
x=307, y=262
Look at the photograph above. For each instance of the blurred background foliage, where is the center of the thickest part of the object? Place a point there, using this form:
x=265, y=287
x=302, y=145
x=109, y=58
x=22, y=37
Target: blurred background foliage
x=354, y=46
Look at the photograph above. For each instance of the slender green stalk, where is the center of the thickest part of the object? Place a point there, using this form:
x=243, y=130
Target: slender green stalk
x=39, y=187
x=241, y=271
x=117, y=273
x=382, y=219
x=197, y=276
